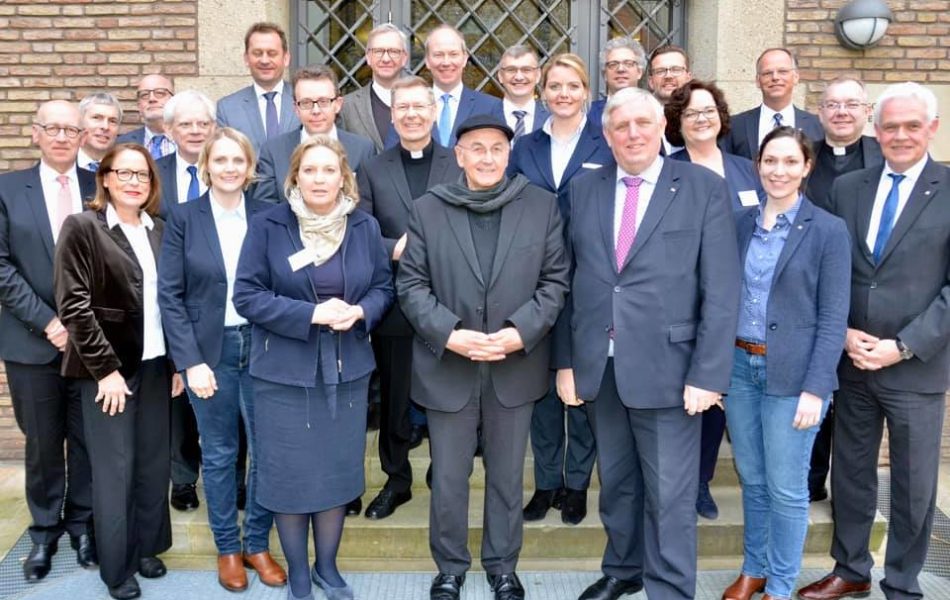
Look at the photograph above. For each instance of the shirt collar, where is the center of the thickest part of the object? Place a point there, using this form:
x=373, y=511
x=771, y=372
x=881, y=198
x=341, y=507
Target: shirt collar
x=546, y=128
x=181, y=164
x=787, y=217
x=48, y=173
x=510, y=106
x=384, y=94
x=304, y=136
x=259, y=91
x=788, y=113
x=912, y=174
x=84, y=159
x=219, y=211
x=455, y=92
x=649, y=175
x=112, y=218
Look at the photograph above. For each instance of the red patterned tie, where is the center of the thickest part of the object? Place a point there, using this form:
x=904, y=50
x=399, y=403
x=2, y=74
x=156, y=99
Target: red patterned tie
x=628, y=221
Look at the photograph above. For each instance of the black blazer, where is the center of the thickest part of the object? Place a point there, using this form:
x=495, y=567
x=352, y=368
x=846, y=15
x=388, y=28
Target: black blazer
x=27, y=302
x=907, y=294
x=384, y=193
x=870, y=155
x=440, y=289
x=743, y=136
x=193, y=285
x=98, y=284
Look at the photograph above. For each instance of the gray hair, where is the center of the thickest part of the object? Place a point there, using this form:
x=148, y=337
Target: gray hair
x=627, y=96
x=101, y=98
x=908, y=89
x=517, y=51
x=446, y=26
x=187, y=97
x=624, y=42
x=388, y=28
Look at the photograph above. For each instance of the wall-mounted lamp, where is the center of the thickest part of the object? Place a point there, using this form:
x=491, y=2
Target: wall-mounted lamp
x=862, y=23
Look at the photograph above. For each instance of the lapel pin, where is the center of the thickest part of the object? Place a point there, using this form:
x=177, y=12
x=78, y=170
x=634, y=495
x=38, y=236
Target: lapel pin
x=672, y=189
x=801, y=226
x=926, y=192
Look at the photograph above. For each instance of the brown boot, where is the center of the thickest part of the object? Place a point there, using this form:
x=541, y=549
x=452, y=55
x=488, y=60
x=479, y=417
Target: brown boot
x=231, y=573
x=268, y=571
x=832, y=587
x=744, y=588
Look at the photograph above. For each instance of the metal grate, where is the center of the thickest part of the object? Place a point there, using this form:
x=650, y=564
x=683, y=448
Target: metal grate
x=652, y=23
x=334, y=33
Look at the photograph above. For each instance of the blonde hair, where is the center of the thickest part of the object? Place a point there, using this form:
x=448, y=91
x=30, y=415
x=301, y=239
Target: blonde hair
x=570, y=61
x=241, y=140
x=325, y=141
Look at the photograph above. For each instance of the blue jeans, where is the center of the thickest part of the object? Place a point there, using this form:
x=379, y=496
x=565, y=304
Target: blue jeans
x=773, y=459
x=217, y=418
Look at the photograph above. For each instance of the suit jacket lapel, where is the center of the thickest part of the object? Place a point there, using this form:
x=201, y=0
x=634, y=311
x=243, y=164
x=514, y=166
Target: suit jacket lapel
x=795, y=235
x=253, y=113
x=865, y=203
x=605, y=197
x=542, y=159
x=398, y=176
x=752, y=131
x=442, y=159
x=118, y=236
x=288, y=119
x=586, y=145
x=364, y=110
x=37, y=202
x=663, y=193
x=922, y=194
x=210, y=230
x=465, y=109
x=510, y=218
x=541, y=115
x=458, y=221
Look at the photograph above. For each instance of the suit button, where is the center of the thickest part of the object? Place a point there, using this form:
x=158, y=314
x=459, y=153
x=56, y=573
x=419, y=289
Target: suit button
x=617, y=289
x=873, y=285
x=773, y=326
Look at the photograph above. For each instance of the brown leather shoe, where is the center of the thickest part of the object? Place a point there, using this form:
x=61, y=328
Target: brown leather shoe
x=231, y=573
x=744, y=588
x=268, y=571
x=832, y=587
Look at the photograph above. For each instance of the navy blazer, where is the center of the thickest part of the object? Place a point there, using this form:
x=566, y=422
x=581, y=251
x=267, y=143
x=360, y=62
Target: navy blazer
x=275, y=156
x=27, y=302
x=241, y=110
x=807, y=313
x=471, y=103
x=531, y=157
x=740, y=176
x=673, y=304
x=279, y=302
x=743, y=136
x=168, y=180
x=541, y=115
x=193, y=285
x=136, y=136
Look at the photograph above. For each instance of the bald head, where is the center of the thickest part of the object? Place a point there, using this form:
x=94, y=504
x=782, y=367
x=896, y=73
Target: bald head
x=152, y=93
x=58, y=133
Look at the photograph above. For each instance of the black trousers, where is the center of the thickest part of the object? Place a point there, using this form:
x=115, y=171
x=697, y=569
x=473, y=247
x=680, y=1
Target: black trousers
x=394, y=365
x=821, y=452
x=130, y=470
x=48, y=411
x=714, y=424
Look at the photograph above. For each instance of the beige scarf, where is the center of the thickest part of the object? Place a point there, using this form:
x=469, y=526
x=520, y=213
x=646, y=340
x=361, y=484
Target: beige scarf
x=321, y=233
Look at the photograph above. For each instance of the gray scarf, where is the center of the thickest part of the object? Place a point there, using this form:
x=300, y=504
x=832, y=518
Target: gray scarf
x=481, y=201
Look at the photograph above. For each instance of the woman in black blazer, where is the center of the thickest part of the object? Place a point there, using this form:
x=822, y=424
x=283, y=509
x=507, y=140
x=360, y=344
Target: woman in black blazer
x=106, y=282
x=313, y=280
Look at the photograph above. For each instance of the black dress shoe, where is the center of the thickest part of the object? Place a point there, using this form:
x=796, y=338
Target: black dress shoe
x=241, y=499
x=354, y=507
x=418, y=433
x=429, y=477
x=151, y=567
x=38, y=561
x=446, y=587
x=85, y=547
x=610, y=588
x=126, y=590
x=386, y=503
x=184, y=497
x=506, y=586
x=573, y=506
x=541, y=502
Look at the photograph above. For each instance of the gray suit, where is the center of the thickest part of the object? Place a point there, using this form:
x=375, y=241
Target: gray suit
x=241, y=110
x=905, y=296
x=442, y=287
x=357, y=117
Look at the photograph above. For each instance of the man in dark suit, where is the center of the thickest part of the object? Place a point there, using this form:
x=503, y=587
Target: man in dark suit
x=389, y=184
x=317, y=102
x=897, y=349
x=646, y=337
x=446, y=56
x=47, y=408
x=668, y=71
x=151, y=95
x=264, y=109
x=622, y=62
x=481, y=281
x=776, y=76
x=843, y=111
x=519, y=73
x=366, y=111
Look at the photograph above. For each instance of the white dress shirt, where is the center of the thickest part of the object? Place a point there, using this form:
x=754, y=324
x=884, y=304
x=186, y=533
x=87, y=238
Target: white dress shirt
x=304, y=136
x=153, y=338
x=84, y=161
x=456, y=94
x=529, y=112
x=911, y=176
x=262, y=101
x=562, y=150
x=767, y=120
x=231, y=226
x=51, y=188
x=183, y=178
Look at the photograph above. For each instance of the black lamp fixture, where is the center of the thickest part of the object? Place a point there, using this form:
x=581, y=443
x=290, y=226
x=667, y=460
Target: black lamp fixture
x=862, y=23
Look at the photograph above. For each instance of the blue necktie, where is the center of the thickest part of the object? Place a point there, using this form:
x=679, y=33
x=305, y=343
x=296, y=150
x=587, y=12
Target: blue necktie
x=777, y=118
x=155, y=146
x=519, y=122
x=273, y=124
x=93, y=165
x=887, y=217
x=193, y=184
x=445, y=120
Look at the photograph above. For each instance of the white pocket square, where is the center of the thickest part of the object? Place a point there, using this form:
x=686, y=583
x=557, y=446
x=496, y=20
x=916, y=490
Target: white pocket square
x=591, y=166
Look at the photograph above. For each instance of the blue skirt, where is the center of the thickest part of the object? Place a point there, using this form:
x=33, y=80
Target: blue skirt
x=309, y=459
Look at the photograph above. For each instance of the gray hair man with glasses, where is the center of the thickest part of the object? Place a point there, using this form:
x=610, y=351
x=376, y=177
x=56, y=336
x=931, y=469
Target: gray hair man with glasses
x=317, y=102
x=519, y=73
x=152, y=93
x=100, y=114
x=776, y=75
x=34, y=203
x=622, y=62
x=367, y=110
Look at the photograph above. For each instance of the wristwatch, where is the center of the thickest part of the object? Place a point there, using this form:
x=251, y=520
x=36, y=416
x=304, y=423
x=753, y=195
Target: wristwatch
x=906, y=353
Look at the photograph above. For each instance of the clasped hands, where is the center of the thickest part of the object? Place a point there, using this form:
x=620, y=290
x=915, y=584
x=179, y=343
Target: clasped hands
x=870, y=353
x=336, y=314
x=485, y=347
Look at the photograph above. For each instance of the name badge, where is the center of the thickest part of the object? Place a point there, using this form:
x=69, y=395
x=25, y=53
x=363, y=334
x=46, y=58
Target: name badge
x=748, y=198
x=299, y=260
x=590, y=166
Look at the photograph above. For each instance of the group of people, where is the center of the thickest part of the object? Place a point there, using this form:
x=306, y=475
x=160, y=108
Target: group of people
x=545, y=266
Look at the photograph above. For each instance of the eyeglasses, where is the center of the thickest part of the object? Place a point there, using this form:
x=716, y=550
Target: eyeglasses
x=53, y=130
x=321, y=103
x=481, y=152
x=126, y=175
x=672, y=71
x=393, y=53
x=850, y=105
x=613, y=65
x=707, y=113
x=514, y=70
x=402, y=109
x=776, y=73
x=157, y=93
